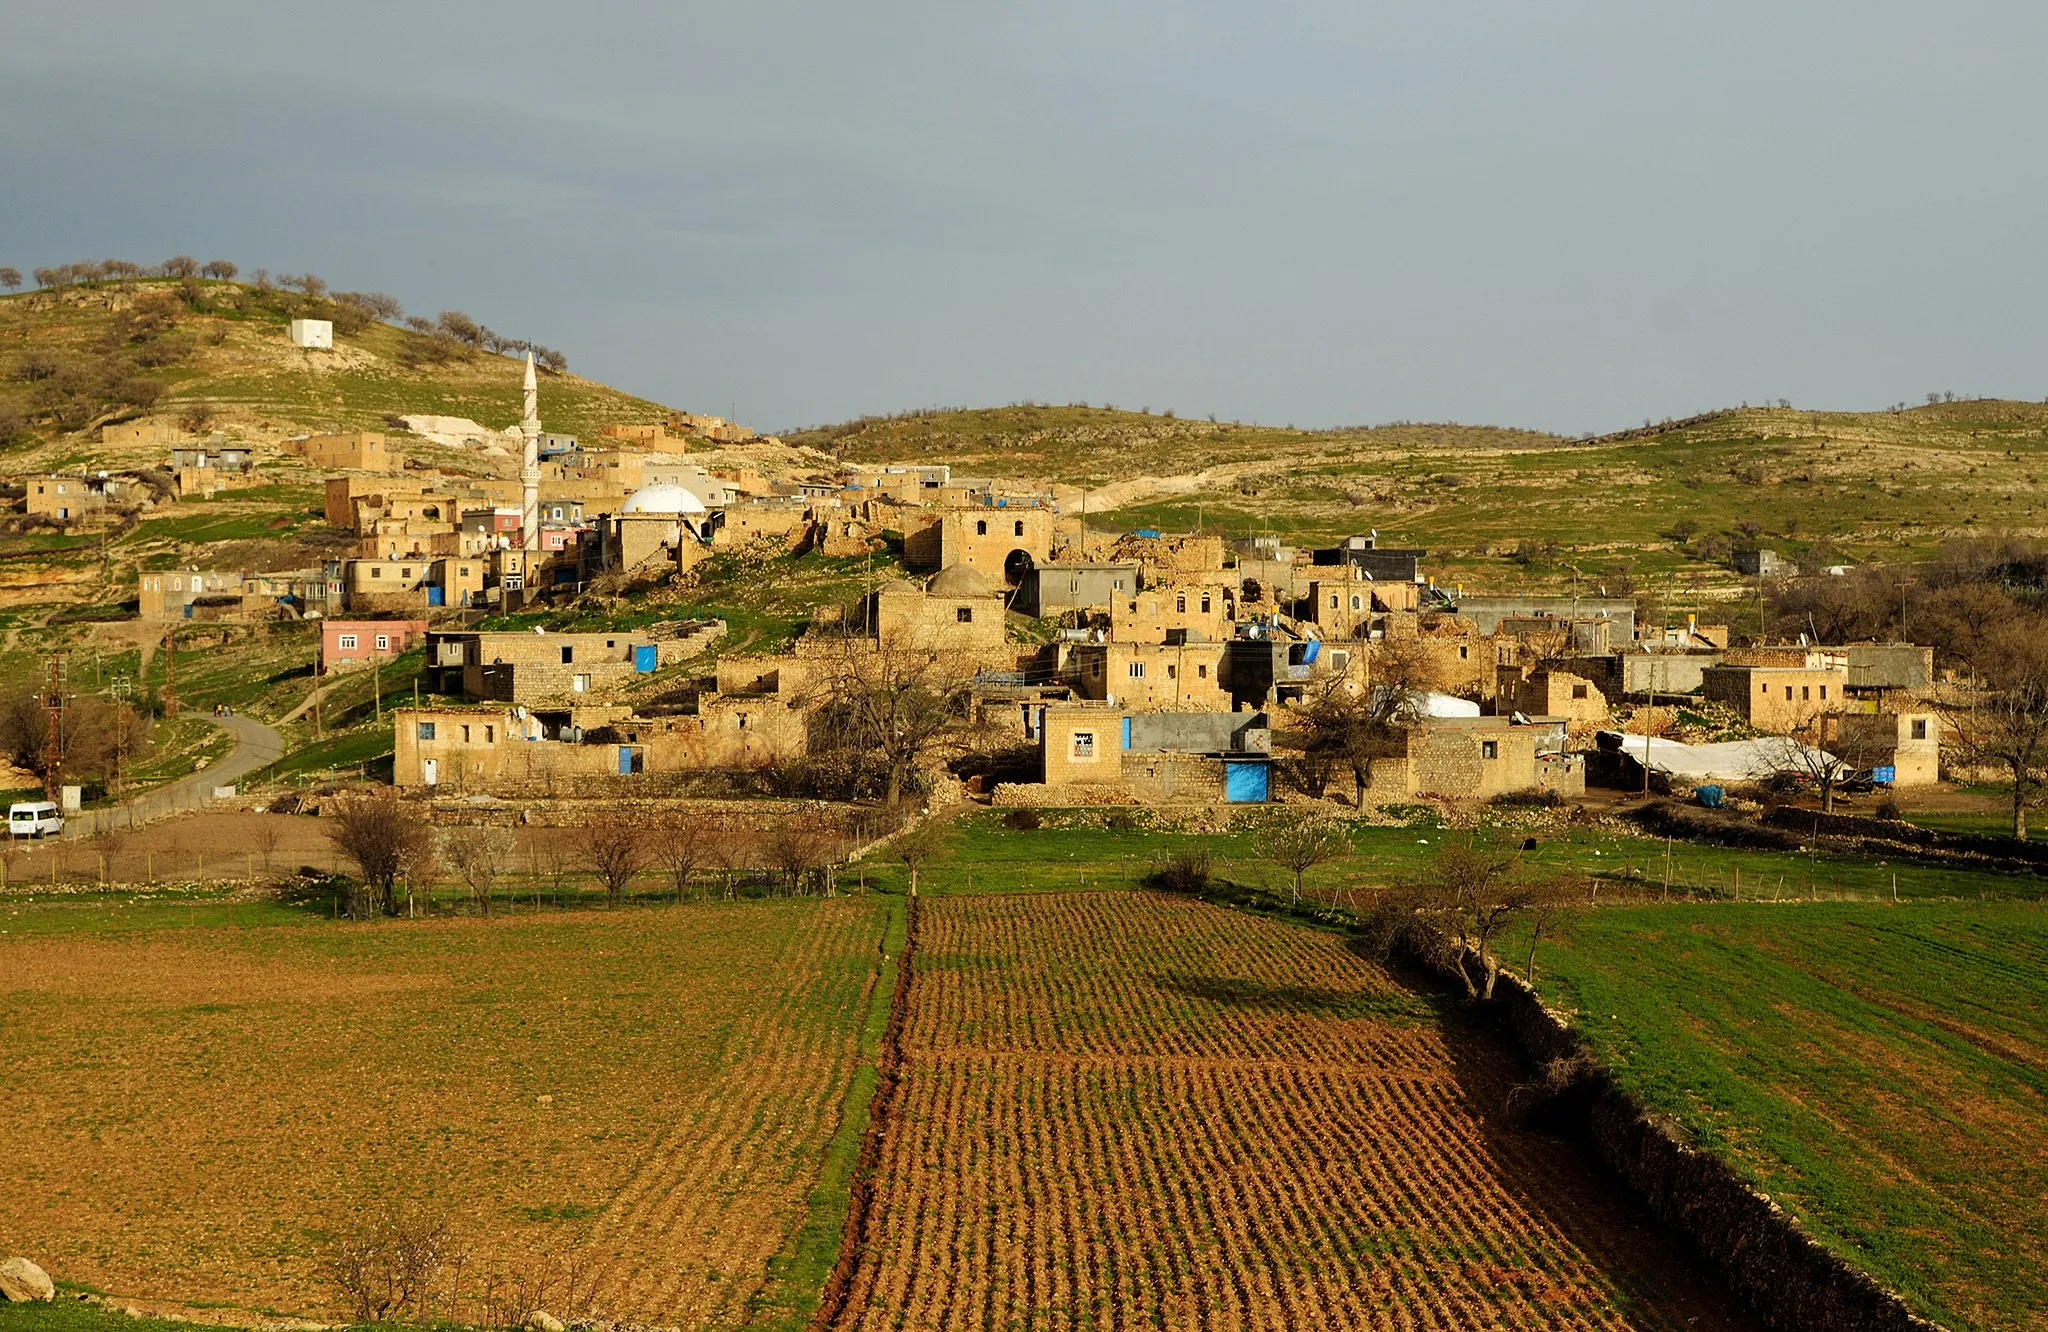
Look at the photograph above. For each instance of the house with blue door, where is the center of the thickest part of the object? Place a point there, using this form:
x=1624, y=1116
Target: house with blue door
x=1092, y=753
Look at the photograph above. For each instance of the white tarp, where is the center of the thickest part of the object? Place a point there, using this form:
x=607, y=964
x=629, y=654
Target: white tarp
x=1730, y=761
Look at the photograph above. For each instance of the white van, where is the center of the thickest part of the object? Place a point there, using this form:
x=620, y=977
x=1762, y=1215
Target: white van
x=34, y=818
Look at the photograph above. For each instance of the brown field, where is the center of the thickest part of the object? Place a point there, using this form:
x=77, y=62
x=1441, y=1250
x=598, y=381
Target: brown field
x=639, y=1098
x=1130, y=1110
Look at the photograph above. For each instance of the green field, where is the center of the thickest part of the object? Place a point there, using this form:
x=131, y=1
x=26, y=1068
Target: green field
x=1881, y=1072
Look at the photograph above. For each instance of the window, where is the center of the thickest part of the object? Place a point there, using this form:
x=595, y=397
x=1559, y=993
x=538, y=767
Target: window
x=347, y=642
x=580, y=684
x=964, y=614
x=981, y=527
x=568, y=654
x=1489, y=749
x=426, y=730
x=1578, y=691
x=1084, y=744
x=383, y=642
x=1020, y=527
x=1137, y=670
x=1919, y=728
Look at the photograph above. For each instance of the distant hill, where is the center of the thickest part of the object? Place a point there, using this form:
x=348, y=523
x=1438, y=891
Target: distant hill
x=1663, y=504
x=216, y=353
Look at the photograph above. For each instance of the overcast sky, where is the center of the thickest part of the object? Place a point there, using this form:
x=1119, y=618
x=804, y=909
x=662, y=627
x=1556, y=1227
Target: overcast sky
x=1569, y=215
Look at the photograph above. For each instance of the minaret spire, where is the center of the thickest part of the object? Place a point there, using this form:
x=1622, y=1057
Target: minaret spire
x=529, y=469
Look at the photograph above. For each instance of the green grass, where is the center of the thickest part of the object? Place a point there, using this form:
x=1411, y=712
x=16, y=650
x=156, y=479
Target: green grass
x=1881, y=1072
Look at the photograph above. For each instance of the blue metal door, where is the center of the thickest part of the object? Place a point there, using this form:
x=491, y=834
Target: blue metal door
x=1244, y=783
x=643, y=657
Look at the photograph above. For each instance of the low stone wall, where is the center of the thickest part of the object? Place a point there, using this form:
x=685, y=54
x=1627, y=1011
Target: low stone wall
x=1773, y=1265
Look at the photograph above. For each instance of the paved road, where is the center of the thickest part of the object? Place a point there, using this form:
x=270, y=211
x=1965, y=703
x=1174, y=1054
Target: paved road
x=256, y=746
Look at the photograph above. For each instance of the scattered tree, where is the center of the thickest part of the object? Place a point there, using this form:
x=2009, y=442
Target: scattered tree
x=1299, y=843
x=616, y=849
x=385, y=839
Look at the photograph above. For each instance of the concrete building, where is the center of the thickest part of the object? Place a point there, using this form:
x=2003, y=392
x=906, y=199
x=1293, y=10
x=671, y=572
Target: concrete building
x=1055, y=588
x=1777, y=699
x=348, y=644
x=312, y=334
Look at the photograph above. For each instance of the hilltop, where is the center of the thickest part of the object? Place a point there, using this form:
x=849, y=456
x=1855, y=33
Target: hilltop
x=1510, y=506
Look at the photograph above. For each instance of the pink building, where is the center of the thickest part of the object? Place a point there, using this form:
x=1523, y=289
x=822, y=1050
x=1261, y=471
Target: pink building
x=347, y=644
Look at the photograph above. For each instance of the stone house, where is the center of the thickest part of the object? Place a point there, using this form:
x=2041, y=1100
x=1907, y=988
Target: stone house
x=1148, y=676
x=348, y=644
x=1779, y=700
x=355, y=451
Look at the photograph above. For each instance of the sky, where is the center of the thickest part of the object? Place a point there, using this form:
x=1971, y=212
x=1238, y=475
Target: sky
x=1569, y=216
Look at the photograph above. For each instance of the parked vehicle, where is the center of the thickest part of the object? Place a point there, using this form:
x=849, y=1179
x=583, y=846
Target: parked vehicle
x=34, y=818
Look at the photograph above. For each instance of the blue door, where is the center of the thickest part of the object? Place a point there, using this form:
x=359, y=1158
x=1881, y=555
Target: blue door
x=1127, y=733
x=1244, y=783
x=643, y=657
x=437, y=596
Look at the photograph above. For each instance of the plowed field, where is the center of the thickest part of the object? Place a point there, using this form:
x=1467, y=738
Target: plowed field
x=1128, y=1110
x=642, y=1096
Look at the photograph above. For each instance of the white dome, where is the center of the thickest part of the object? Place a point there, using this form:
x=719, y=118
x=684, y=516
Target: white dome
x=662, y=499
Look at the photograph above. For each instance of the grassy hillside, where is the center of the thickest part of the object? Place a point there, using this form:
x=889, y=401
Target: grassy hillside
x=1504, y=507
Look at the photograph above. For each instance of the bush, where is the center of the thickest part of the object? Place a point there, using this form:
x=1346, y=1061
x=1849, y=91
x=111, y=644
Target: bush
x=1023, y=820
x=1183, y=871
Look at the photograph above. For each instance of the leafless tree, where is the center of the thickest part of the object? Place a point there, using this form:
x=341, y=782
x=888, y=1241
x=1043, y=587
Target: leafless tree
x=682, y=841
x=385, y=839
x=800, y=845
x=616, y=849
x=1299, y=843
x=2001, y=722
x=1453, y=914
x=889, y=709
x=479, y=857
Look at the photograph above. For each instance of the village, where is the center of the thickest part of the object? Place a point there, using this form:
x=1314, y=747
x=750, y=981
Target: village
x=1004, y=649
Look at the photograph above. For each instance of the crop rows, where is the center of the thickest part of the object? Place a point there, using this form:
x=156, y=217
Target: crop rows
x=1121, y=1110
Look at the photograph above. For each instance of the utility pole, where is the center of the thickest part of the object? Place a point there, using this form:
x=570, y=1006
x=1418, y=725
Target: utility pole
x=53, y=707
x=170, y=672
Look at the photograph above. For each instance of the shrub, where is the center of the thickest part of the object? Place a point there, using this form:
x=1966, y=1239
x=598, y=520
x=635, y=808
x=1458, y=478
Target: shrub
x=1183, y=871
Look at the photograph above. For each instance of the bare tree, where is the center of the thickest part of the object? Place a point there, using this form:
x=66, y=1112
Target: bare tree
x=682, y=841
x=384, y=838
x=616, y=850
x=800, y=845
x=916, y=845
x=1301, y=842
x=2002, y=722
x=889, y=709
x=479, y=857
x=1454, y=913
x=10, y=278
